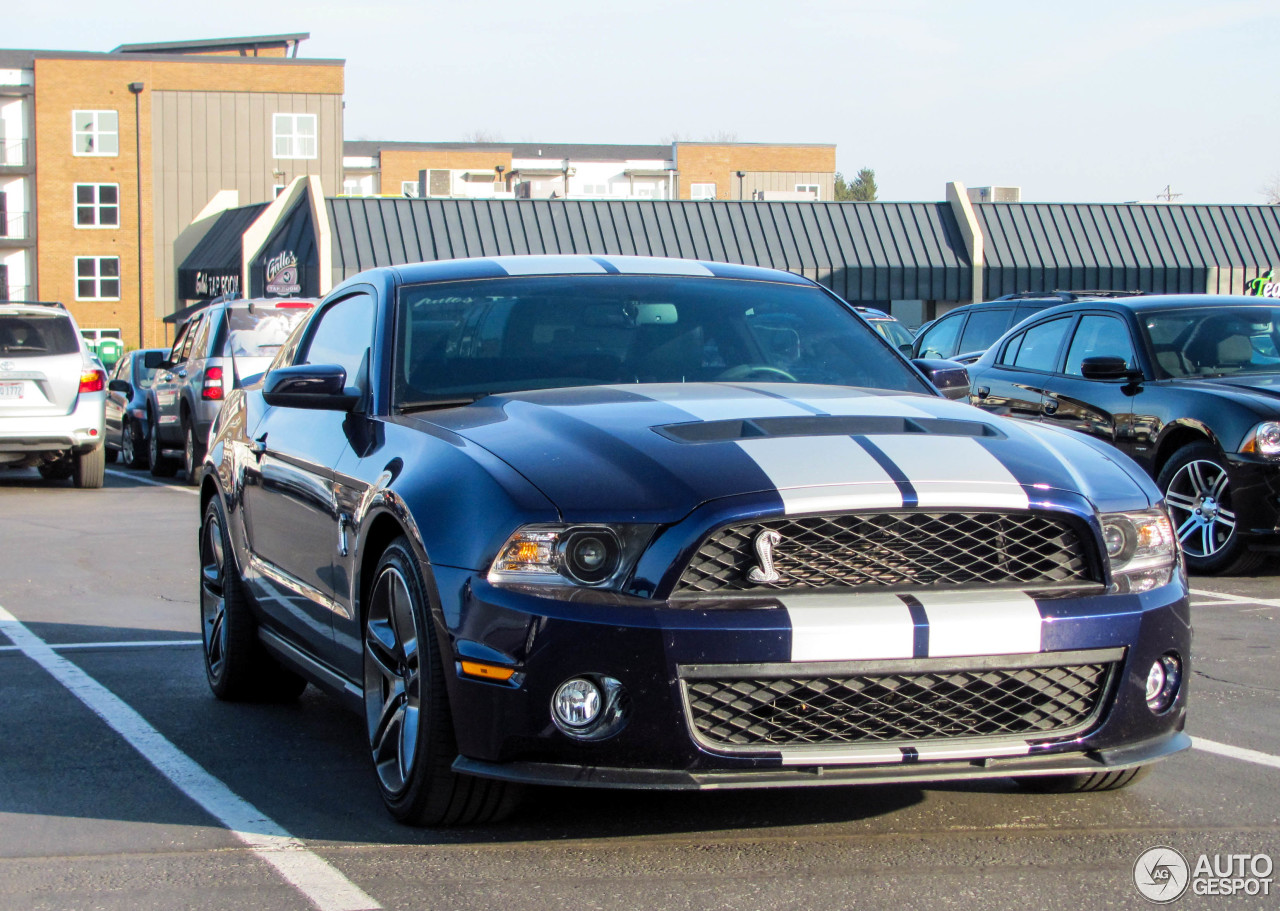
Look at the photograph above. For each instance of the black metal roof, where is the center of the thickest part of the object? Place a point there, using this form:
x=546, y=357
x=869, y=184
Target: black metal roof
x=221, y=247
x=862, y=251
x=1139, y=247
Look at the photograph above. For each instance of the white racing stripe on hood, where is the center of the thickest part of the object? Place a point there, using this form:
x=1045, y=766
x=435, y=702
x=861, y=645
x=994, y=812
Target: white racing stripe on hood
x=849, y=627
x=953, y=472
x=717, y=403
x=823, y=474
x=893, y=405
x=981, y=623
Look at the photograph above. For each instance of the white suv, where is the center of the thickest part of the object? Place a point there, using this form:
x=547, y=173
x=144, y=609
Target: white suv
x=52, y=395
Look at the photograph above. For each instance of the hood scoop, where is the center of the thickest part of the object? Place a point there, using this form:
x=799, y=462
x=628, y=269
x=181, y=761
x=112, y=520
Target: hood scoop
x=823, y=425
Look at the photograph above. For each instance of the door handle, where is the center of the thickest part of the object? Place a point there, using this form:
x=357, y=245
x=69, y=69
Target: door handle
x=1050, y=406
x=983, y=391
x=259, y=446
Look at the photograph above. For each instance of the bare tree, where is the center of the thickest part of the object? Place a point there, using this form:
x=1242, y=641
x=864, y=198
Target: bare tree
x=1271, y=190
x=482, y=136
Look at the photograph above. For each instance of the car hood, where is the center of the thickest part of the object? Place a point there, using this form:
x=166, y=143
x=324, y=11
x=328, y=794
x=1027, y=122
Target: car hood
x=1259, y=386
x=652, y=453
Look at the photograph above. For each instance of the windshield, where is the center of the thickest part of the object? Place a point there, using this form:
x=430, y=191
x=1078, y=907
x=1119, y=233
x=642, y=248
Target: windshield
x=260, y=333
x=466, y=339
x=37, y=335
x=1215, y=341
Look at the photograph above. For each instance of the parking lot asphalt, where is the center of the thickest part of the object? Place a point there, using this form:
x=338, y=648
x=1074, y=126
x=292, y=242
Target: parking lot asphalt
x=274, y=806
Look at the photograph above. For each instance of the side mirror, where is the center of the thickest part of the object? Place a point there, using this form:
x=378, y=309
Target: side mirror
x=322, y=387
x=1108, y=368
x=120, y=386
x=950, y=378
x=154, y=360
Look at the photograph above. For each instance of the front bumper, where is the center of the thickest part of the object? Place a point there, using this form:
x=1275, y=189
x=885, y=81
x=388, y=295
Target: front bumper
x=505, y=730
x=1255, y=493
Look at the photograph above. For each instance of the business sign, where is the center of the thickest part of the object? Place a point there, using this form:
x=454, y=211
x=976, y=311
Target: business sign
x=282, y=273
x=1265, y=285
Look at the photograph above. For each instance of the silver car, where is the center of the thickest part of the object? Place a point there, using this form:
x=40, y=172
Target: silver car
x=52, y=395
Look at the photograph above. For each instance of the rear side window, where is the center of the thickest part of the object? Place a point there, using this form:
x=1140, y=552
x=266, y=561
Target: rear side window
x=1037, y=348
x=983, y=328
x=1099, y=336
x=36, y=335
x=939, y=340
x=260, y=333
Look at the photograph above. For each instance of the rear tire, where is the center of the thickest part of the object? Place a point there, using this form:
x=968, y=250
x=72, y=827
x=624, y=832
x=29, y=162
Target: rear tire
x=192, y=454
x=1078, y=784
x=407, y=715
x=161, y=465
x=89, y=469
x=56, y=471
x=131, y=453
x=238, y=668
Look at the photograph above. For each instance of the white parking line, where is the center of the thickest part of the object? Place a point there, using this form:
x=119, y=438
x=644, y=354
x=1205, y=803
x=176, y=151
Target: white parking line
x=1235, y=599
x=309, y=873
x=1225, y=749
x=140, y=643
x=133, y=476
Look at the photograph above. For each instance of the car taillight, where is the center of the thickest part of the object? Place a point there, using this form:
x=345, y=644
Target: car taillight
x=212, y=388
x=93, y=381
x=294, y=305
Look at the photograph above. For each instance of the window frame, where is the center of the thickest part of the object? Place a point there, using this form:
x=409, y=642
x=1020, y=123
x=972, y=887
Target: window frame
x=410, y=189
x=96, y=206
x=1055, y=369
x=98, y=278
x=814, y=188
x=95, y=131
x=293, y=136
x=1133, y=363
x=695, y=188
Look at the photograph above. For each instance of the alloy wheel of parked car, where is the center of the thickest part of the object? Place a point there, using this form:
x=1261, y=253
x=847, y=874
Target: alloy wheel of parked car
x=131, y=454
x=191, y=455
x=1197, y=490
x=161, y=465
x=235, y=662
x=406, y=713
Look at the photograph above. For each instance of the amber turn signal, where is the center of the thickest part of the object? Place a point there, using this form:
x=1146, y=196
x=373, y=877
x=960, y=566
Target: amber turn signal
x=487, y=671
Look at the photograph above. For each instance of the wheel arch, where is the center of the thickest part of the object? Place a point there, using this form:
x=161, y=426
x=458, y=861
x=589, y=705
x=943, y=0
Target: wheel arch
x=1175, y=437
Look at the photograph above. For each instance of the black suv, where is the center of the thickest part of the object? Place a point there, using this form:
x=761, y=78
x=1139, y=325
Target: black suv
x=964, y=333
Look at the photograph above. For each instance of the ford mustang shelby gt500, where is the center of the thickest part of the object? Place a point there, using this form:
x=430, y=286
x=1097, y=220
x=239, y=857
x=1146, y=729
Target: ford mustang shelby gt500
x=629, y=522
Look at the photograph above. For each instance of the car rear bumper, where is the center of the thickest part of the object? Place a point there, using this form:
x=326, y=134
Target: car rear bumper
x=81, y=430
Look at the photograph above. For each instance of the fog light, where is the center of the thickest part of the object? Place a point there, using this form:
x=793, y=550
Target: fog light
x=576, y=704
x=1163, y=681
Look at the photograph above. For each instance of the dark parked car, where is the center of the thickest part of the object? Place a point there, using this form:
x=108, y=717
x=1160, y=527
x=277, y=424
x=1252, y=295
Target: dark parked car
x=964, y=333
x=126, y=434
x=630, y=522
x=1184, y=384
x=218, y=347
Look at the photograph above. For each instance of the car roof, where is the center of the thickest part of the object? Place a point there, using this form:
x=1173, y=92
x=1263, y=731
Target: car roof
x=502, y=266
x=1153, y=302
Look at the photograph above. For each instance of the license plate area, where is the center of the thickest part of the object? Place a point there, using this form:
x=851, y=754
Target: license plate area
x=11, y=391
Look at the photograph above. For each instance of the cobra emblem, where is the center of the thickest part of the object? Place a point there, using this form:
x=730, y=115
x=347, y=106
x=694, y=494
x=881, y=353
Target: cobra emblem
x=765, y=542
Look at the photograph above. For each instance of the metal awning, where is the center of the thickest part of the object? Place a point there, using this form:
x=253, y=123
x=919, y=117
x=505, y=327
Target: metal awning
x=215, y=265
x=649, y=172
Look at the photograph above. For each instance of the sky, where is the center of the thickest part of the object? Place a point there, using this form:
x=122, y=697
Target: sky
x=1082, y=102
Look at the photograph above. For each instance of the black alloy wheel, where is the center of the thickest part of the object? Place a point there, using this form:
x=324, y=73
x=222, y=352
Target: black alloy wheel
x=407, y=714
x=1197, y=491
x=132, y=454
x=235, y=663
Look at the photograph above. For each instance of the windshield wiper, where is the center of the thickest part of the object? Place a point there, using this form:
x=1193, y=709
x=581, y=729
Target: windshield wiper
x=436, y=404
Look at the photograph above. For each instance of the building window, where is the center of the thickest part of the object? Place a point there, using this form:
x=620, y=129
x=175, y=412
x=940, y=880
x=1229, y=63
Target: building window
x=97, y=205
x=97, y=278
x=294, y=135
x=702, y=191
x=95, y=133
x=409, y=188
x=808, y=188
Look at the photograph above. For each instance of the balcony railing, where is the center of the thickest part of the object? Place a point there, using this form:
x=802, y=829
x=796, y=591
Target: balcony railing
x=13, y=292
x=13, y=225
x=13, y=152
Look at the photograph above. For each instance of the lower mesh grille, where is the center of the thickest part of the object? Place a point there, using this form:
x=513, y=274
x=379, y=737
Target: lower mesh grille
x=898, y=707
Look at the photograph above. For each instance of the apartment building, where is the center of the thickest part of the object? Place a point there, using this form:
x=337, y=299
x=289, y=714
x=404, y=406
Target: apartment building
x=681, y=170
x=105, y=158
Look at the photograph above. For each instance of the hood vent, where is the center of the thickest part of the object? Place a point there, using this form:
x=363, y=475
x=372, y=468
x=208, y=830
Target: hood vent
x=822, y=425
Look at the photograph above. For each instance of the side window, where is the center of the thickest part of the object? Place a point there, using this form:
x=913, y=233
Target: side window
x=939, y=340
x=200, y=340
x=181, y=339
x=983, y=328
x=342, y=334
x=1040, y=346
x=1099, y=336
x=188, y=338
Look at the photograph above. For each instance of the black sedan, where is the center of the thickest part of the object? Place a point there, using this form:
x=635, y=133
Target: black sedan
x=126, y=422
x=1187, y=385
x=648, y=523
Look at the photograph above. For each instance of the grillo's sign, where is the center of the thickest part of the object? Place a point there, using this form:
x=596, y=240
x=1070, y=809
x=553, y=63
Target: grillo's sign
x=282, y=273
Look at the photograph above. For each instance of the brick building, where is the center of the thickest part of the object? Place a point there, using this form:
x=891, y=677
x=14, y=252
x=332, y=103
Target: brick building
x=105, y=159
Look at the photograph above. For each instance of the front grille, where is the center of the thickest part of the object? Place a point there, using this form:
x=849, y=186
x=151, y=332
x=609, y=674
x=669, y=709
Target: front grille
x=907, y=549
x=896, y=707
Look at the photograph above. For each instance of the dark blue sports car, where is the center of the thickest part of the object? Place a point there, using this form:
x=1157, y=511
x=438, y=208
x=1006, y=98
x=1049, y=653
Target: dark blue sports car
x=648, y=523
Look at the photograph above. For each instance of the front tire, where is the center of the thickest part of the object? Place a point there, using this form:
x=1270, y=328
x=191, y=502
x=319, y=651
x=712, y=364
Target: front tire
x=235, y=663
x=407, y=715
x=1197, y=490
x=131, y=453
x=89, y=469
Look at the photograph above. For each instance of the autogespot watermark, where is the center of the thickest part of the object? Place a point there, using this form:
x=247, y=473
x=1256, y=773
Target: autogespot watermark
x=1163, y=875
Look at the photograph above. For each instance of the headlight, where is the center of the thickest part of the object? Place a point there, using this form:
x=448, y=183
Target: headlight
x=1141, y=549
x=1263, y=440
x=596, y=556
